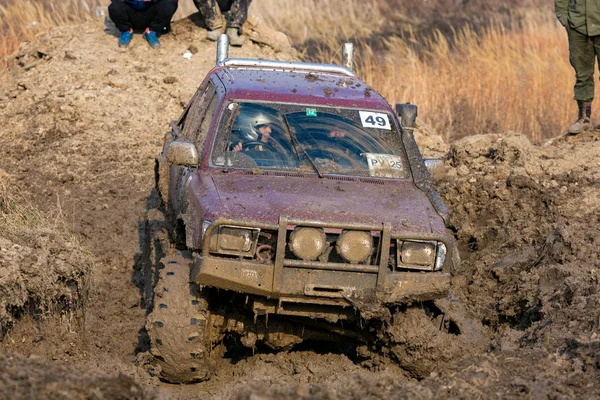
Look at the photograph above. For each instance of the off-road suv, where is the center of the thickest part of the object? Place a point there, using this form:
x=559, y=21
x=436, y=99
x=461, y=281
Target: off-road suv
x=301, y=208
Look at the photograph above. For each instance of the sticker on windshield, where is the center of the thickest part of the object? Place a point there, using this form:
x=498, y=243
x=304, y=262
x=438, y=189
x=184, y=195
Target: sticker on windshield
x=375, y=120
x=311, y=112
x=384, y=165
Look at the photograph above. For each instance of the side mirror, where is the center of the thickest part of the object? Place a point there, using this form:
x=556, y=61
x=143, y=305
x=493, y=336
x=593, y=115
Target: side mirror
x=434, y=165
x=408, y=115
x=183, y=154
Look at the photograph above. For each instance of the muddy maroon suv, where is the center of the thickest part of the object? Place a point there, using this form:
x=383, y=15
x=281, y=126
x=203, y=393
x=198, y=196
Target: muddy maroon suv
x=297, y=198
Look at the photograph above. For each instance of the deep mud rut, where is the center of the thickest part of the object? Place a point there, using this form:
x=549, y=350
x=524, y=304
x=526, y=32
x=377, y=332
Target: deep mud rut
x=82, y=123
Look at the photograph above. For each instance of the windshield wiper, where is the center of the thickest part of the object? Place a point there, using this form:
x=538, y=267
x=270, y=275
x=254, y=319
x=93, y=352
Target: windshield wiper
x=296, y=144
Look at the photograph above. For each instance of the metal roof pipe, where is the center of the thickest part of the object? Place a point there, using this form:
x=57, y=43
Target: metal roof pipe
x=348, y=56
x=222, y=48
x=284, y=65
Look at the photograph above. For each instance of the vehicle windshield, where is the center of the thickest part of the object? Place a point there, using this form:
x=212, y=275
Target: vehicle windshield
x=323, y=140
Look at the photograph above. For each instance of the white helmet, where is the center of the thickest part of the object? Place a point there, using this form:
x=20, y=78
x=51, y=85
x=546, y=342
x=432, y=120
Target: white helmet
x=258, y=120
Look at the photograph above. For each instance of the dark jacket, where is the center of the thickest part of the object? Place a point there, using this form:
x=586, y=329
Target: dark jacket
x=581, y=15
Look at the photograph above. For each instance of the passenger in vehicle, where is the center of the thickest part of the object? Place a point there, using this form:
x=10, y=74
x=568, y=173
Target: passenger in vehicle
x=151, y=16
x=236, y=13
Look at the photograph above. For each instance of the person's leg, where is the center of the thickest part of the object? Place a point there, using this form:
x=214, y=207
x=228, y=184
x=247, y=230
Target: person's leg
x=211, y=13
x=122, y=15
x=238, y=14
x=595, y=40
x=156, y=20
x=236, y=17
x=596, y=43
x=581, y=56
x=225, y=5
x=161, y=14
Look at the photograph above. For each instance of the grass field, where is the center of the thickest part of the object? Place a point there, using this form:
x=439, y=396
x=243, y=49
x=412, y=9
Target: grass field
x=478, y=68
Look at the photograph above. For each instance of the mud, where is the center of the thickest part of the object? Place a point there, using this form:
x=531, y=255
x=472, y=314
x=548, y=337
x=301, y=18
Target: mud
x=82, y=123
x=34, y=378
x=43, y=268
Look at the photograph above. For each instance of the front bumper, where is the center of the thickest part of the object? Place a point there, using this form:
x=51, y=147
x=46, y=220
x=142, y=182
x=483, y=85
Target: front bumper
x=332, y=287
x=324, y=283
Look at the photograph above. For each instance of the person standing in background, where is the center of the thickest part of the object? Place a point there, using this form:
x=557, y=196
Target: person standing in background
x=151, y=16
x=581, y=19
x=235, y=11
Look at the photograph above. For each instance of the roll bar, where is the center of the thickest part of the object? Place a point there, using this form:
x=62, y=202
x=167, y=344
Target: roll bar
x=224, y=60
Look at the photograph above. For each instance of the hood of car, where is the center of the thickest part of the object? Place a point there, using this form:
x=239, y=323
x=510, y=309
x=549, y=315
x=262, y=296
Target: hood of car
x=263, y=198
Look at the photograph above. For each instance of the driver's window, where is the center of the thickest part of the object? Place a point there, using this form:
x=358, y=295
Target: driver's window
x=206, y=121
x=197, y=112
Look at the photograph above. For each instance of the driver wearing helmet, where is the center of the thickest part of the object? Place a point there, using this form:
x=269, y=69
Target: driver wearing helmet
x=261, y=129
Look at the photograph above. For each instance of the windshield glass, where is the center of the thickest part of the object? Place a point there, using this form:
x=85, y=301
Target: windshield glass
x=324, y=140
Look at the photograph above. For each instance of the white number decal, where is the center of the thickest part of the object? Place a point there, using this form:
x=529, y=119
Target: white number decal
x=374, y=120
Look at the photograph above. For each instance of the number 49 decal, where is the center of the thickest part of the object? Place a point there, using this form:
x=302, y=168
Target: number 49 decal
x=374, y=120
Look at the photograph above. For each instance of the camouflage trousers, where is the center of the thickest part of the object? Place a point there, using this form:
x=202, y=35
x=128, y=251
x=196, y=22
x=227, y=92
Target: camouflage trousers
x=235, y=11
x=583, y=51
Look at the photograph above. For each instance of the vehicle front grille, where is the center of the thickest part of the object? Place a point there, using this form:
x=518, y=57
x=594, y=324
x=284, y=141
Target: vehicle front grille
x=271, y=240
x=271, y=245
x=331, y=255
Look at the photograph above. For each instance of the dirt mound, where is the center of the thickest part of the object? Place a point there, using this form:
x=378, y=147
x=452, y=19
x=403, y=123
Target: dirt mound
x=22, y=378
x=43, y=269
x=526, y=373
x=83, y=122
x=431, y=144
x=528, y=218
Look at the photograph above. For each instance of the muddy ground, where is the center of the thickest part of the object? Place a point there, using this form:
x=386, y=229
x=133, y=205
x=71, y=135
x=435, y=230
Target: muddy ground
x=81, y=124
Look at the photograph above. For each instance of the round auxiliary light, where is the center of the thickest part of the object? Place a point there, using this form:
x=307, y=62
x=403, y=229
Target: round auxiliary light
x=355, y=246
x=307, y=243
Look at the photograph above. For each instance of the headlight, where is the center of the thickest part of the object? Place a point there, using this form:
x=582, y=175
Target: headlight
x=440, y=259
x=307, y=243
x=417, y=255
x=205, y=226
x=234, y=241
x=355, y=246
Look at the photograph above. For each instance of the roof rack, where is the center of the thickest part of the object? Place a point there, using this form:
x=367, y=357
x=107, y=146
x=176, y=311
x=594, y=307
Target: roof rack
x=223, y=60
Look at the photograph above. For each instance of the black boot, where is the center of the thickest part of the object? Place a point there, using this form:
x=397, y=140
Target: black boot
x=584, y=119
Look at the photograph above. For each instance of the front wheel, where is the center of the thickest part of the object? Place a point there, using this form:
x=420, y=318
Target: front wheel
x=179, y=324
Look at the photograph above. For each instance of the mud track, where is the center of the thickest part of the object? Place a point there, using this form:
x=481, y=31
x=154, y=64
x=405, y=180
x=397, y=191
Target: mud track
x=82, y=123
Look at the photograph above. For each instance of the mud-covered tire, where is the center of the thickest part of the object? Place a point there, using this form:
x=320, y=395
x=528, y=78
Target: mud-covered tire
x=154, y=242
x=161, y=178
x=178, y=324
x=418, y=341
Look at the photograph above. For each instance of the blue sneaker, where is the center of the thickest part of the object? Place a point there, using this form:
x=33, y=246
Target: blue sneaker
x=125, y=38
x=152, y=38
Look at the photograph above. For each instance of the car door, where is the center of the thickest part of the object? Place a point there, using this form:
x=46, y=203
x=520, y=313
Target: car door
x=162, y=169
x=191, y=124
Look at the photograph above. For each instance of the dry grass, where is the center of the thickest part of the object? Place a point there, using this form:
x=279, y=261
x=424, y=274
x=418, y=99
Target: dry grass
x=312, y=20
x=504, y=70
x=475, y=77
x=18, y=215
x=499, y=80
x=45, y=269
x=22, y=20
